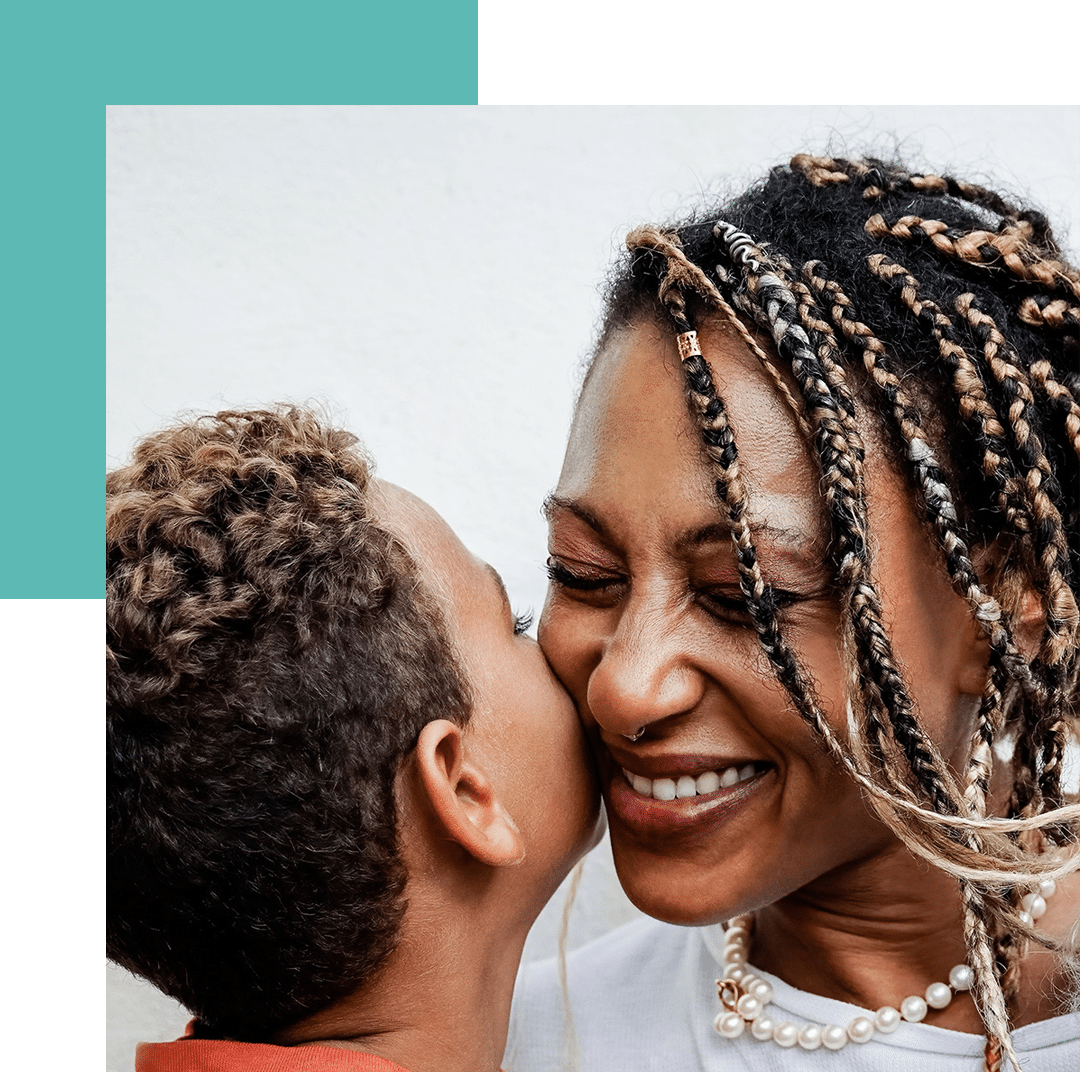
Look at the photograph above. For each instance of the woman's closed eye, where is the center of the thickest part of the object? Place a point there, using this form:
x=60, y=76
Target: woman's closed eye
x=584, y=581
x=730, y=605
x=523, y=623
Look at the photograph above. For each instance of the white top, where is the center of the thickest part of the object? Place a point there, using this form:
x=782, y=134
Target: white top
x=644, y=1000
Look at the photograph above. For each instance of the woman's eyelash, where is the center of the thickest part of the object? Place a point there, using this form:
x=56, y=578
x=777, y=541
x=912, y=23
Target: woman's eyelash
x=523, y=623
x=720, y=603
x=559, y=574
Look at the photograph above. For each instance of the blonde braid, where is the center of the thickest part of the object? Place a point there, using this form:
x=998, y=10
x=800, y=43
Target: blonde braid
x=1009, y=245
x=1062, y=619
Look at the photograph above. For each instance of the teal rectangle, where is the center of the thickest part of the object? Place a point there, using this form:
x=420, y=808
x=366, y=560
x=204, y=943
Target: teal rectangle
x=320, y=52
x=53, y=351
x=63, y=64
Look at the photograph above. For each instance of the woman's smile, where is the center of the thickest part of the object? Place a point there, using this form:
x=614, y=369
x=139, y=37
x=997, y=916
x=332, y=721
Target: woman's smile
x=683, y=805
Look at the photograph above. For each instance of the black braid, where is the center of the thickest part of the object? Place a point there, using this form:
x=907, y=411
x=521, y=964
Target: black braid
x=711, y=415
x=777, y=310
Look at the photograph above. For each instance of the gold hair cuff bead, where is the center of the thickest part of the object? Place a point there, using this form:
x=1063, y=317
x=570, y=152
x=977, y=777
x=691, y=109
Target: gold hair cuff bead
x=688, y=345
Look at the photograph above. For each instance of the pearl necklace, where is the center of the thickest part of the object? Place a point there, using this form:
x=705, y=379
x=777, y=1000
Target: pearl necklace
x=745, y=996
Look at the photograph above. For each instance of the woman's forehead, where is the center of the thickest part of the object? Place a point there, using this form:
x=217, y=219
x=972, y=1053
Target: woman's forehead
x=633, y=439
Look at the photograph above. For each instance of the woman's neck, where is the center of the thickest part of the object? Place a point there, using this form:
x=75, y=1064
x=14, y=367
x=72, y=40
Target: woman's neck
x=878, y=931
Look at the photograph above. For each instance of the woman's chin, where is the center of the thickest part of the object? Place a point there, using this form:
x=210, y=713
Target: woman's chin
x=694, y=903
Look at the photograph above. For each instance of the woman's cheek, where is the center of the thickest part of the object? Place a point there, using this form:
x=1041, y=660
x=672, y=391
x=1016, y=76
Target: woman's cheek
x=567, y=641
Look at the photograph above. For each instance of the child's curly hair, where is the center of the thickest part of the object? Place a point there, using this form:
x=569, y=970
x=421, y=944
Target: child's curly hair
x=271, y=656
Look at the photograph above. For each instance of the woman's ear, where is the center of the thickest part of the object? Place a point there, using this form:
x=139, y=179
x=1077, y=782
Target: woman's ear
x=975, y=664
x=463, y=799
x=1019, y=600
x=1021, y=605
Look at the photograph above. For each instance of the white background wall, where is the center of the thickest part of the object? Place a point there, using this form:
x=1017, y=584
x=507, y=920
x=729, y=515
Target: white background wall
x=430, y=275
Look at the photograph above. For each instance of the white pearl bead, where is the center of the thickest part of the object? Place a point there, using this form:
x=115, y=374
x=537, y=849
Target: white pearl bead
x=809, y=1036
x=1047, y=886
x=762, y=1028
x=748, y=980
x=740, y=940
x=834, y=1037
x=938, y=995
x=887, y=1019
x=861, y=1029
x=961, y=977
x=748, y=1007
x=730, y=1024
x=733, y=954
x=1034, y=904
x=761, y=990
x=785, y=1034
x=736, y=972
x=1025, y=917
x=913, y=1009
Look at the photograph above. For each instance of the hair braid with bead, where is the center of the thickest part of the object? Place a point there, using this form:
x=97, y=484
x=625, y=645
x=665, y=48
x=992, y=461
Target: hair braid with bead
x=792, y=341
x=768, y=293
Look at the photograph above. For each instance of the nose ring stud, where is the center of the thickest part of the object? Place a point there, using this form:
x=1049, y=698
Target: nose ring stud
x=633, y=736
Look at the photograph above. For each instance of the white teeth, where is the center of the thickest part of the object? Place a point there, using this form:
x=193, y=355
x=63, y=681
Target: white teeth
x=663, y=789
x=687, y=786
x=708, y=782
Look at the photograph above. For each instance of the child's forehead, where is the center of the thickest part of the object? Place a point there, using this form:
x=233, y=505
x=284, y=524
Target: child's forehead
x=442, y=558
x=411, y=519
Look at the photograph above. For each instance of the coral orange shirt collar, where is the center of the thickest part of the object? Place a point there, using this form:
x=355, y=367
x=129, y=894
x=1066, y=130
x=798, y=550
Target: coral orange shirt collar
x=213, y=1055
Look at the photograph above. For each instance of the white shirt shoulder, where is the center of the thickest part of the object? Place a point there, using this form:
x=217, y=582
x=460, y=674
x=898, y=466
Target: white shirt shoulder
x=643, y=999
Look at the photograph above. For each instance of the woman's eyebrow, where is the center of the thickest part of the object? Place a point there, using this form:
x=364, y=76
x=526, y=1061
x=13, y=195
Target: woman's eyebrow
x=557, y=502
x=720, y=532
x=714, y=532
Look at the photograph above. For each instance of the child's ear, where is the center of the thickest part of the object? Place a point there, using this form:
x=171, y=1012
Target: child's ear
x=463, y=799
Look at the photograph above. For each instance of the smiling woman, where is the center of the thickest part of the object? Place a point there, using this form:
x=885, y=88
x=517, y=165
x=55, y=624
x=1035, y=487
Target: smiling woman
x=654, y=651
x=834, y=714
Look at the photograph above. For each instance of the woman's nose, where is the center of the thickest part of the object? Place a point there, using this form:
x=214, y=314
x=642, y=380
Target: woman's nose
x=644, y=675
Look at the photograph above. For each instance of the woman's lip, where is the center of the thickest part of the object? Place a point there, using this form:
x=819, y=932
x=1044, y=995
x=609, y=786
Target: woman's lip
x=673, y=765
x=645, y=818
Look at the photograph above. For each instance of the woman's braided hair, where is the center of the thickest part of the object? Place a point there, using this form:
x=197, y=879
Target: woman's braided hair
x=951, y=317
